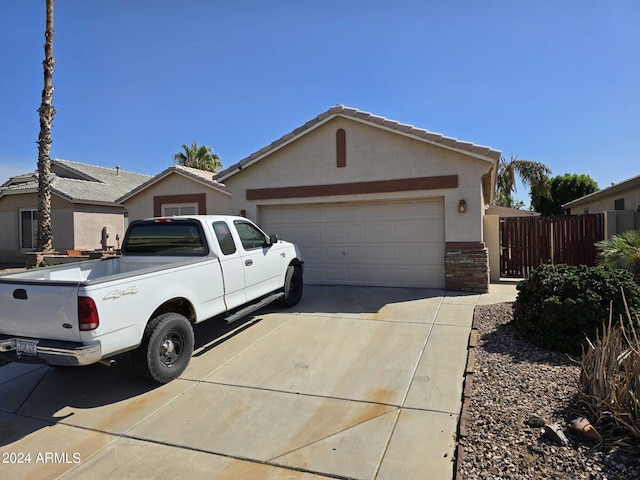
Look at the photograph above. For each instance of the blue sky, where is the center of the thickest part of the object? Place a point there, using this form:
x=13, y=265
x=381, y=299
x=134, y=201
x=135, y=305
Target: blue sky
x=555, y=82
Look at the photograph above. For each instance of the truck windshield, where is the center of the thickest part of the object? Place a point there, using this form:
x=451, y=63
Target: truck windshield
x=177, y=237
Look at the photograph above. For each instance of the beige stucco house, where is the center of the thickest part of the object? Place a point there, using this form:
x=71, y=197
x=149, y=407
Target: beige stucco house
x=372, y=201
x=84, y=211
x=619, y=202
x=178, y=190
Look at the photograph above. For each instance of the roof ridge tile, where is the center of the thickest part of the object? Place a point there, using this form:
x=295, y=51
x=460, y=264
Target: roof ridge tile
x=370, y=118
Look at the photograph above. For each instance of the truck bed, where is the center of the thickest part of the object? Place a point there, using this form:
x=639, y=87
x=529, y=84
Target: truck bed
x=94, y=271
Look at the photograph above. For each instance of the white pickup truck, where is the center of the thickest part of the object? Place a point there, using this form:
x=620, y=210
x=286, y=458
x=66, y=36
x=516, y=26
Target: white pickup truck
x=173, y=272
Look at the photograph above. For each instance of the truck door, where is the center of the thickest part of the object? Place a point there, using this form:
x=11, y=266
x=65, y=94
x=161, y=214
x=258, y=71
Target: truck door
x=232, y=266
x=261, y=262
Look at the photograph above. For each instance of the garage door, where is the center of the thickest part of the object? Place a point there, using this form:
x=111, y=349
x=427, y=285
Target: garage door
x=399, y=244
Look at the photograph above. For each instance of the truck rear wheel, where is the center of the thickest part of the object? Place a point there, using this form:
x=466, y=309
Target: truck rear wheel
x=166, y=348
x=292, y=286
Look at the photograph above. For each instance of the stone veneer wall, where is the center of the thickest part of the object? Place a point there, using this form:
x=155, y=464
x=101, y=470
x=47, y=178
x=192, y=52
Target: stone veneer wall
x=467, y=269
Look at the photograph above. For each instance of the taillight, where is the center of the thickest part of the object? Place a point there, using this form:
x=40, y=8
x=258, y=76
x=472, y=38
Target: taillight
x=87, y=314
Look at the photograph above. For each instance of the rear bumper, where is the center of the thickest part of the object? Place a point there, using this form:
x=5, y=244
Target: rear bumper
x=52, y=352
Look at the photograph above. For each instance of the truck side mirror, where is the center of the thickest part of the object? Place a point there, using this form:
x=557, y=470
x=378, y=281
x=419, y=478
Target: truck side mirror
x=273, y=238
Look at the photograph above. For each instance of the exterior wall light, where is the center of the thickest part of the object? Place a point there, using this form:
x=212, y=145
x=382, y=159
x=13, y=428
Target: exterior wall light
x=462, y=206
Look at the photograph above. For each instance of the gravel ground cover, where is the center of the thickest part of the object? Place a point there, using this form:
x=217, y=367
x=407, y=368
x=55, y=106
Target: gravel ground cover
x=512, y=380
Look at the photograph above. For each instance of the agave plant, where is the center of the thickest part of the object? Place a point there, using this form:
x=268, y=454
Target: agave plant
x=622, y=251
x=610, y=382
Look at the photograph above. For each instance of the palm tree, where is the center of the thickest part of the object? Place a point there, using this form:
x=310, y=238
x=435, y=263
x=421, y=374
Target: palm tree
x=201, y=157
x=534, y=174
x=622, y=251
x=46, y=111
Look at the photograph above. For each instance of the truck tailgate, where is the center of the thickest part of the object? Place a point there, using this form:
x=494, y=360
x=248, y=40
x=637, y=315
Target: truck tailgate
x=40, y=311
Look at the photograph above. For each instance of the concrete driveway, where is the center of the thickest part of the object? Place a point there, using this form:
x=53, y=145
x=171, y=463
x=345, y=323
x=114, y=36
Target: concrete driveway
x=353, y=383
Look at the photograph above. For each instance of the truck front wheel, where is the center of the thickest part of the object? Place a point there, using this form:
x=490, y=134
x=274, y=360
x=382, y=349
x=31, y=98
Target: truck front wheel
x=292, y=286
x=166, y=348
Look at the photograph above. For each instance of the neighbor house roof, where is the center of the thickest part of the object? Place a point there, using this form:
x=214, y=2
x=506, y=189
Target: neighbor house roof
x=469, y=148
x=629, y=183
x=201, y=176
x=79, y=182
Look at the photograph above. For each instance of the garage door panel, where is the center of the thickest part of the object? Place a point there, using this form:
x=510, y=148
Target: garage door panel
x=385, y=244
x=311, y=252
x=333, y=275
x=418, y=231
x=333, y=253
x=355, y=233
x=379, y=254
x=333, y=233
x=357, y=255
x=381, y=232
x=312, y=234
x=420, y=255
x=357, y=275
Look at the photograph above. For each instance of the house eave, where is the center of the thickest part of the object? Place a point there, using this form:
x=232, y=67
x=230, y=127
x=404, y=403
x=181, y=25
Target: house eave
x=164, y=174
x=623, y=186
x=488, y=154
x=62, y=195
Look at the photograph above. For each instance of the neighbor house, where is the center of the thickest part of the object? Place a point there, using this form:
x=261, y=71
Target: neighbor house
x=619, y=202
x=178, y=190
x=371, y=201
x=84, y=212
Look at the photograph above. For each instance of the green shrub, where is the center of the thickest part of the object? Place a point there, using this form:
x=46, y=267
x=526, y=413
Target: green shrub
x=558, y=305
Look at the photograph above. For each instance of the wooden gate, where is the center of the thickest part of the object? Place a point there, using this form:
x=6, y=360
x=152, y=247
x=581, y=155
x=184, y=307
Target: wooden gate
x=527, y=242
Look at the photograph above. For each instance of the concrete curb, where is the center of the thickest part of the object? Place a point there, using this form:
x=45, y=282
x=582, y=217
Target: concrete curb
x=466, y=394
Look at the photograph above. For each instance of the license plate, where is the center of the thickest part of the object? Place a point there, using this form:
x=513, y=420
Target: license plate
x=26, y=347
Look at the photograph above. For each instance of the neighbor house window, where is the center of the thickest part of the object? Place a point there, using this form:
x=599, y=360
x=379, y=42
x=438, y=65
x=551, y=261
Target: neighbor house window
x=28, y=229
x=619, y=204
x=171, y=210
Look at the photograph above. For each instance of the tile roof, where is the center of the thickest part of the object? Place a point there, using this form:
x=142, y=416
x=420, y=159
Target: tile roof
x=79, y=182
x=201, y=176
x=616, y=188
x=365, y=117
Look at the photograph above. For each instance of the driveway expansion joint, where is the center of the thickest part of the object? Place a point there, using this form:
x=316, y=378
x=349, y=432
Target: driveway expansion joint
x=235, y=457
x=290, y=392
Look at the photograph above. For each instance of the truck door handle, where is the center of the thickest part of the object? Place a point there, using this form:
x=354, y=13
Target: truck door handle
x=248, y=263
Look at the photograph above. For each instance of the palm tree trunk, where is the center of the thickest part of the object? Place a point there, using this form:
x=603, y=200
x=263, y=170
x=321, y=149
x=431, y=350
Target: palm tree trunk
x=46, y=111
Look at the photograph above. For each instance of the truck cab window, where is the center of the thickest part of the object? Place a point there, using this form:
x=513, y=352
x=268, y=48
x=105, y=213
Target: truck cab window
x=225, y=240
x=250, y=236
x=168, y=238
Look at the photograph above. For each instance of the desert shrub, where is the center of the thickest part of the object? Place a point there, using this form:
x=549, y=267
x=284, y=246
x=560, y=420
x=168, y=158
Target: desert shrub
x=610, y=381
x=559, y=305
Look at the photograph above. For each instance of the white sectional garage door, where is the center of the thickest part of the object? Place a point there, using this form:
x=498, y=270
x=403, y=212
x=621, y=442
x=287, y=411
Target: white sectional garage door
x=398, y=244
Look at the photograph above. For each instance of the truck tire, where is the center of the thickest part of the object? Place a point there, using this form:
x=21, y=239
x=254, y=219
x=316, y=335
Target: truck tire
x=166, y=348
x=293, y=286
